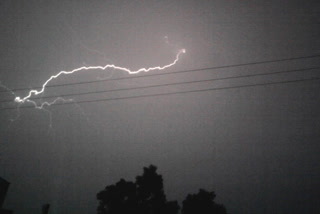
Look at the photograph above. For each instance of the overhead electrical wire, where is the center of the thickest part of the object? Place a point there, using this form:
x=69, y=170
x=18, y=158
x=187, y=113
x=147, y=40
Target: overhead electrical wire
x=172, y=84
x=175, y=93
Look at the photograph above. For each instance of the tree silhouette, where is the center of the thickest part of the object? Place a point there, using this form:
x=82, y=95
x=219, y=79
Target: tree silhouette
x=118, y=198
x=145, y=196
x=202, y=202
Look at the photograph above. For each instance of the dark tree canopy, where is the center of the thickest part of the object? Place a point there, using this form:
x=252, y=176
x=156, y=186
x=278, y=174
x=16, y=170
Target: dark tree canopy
x=146, y=196
x=202, y=202
x=118, y=198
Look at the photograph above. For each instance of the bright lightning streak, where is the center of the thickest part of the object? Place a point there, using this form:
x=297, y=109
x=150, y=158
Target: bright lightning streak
x=37, y=92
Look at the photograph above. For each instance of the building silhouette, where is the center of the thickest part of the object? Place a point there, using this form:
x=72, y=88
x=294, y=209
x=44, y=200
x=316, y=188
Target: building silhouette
x=4, y=185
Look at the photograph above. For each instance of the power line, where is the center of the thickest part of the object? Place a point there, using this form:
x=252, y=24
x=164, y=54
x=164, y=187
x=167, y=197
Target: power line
x=172, y=84
x=174, y=72
x=179, y=92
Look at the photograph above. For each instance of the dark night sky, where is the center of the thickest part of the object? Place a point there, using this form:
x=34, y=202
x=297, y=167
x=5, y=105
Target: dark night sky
x=257, y=147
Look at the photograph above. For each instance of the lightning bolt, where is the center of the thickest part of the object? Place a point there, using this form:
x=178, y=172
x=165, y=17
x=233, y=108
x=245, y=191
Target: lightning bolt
x=85, y=68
